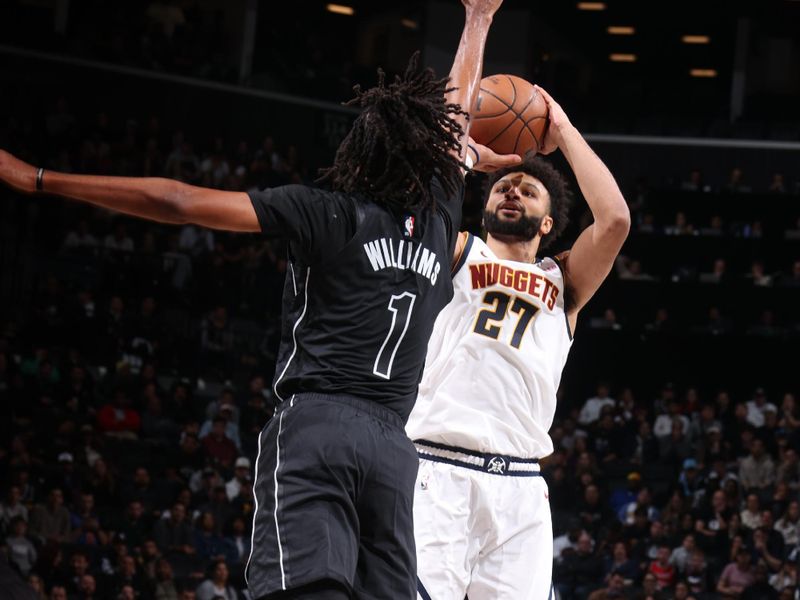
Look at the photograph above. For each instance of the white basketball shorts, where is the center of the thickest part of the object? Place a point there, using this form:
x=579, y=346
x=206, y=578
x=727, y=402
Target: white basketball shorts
x=482, y=526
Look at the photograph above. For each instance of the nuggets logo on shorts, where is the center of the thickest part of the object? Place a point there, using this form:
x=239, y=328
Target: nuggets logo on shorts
x=496, y=465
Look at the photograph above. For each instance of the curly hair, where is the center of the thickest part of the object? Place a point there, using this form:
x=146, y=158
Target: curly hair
x=555, y=184
x=401, y=141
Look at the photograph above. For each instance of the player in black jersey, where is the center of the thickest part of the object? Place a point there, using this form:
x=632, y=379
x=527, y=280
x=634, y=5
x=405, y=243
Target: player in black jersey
x=369, y=271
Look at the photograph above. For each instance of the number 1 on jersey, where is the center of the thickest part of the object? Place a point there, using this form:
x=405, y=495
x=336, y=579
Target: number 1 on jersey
x=500, y=302
x=400, y=306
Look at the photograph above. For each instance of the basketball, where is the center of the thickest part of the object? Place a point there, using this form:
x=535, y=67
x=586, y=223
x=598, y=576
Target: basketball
x=510, y=116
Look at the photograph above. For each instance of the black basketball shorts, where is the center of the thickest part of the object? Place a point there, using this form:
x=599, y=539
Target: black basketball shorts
x=334, y=487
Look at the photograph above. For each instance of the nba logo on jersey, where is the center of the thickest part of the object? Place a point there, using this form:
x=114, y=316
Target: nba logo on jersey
x=408, y=224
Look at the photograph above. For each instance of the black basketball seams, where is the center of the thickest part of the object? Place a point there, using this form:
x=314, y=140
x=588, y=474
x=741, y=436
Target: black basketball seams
x=533, y=133
x=499, y=99
x=516, y=118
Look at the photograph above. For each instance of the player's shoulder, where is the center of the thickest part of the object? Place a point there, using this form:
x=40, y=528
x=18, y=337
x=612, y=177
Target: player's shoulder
x=554, y=265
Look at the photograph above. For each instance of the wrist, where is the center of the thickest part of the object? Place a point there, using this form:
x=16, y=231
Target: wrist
x=479, y=16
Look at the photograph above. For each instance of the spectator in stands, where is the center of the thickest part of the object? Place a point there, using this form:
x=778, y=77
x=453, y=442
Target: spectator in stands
x=620, y=563
x=615, y=588
x=661, y=568
x=226, y=413
x=21, y=551
x=50, y=521
x=697, y=575
x=127, y=574
x=209, y=544
x=718, y=273
x=751, y=515
x=216, y=586
x=757, y=471
x=175, y=535
x=757, y=406
x=239, y=540
x=118, y=419
x=580, y=570
x=87, y=590
x=165, y=586
x=218, y=446
x=736, y=576
x=736, y=184
x=681, y=226
x=134, y=525
x=590, y=412
x=662, y=427
x=12, y=507
x=679, y=558
x=78, y=567
x=593, y=512
x=241, y=475
x=788, y=416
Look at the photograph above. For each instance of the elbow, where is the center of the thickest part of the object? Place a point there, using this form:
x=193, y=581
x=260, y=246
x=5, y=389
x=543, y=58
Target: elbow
x=617, y=223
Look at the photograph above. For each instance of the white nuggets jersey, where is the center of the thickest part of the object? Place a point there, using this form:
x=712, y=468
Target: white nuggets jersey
x=495, y=357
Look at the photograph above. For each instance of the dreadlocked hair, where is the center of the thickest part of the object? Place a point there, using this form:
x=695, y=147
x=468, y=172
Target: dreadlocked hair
x=401, y=141
x=553, y=181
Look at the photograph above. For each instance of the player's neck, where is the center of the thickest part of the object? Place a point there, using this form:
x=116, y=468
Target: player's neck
x=512, y=248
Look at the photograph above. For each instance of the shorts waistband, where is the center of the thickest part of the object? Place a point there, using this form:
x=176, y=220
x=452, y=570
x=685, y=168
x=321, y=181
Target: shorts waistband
x=494, y=464
x=369, y=407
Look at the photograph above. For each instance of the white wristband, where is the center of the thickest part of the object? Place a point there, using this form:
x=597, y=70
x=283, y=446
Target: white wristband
x=468, y=160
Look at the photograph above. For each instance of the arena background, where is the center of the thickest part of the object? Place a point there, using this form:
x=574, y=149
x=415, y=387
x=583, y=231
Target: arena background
x=695, y=334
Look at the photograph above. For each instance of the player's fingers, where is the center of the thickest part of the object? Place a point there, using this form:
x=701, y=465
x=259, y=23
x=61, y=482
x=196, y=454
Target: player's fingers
x=508, y=160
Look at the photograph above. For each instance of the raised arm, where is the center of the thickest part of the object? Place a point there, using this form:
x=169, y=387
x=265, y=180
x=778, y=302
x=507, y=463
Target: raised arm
x=465, y=74
x=592, y=256
x=153, y=198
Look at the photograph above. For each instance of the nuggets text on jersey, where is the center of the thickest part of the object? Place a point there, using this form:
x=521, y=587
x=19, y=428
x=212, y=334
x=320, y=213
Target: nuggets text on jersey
x=488, y=274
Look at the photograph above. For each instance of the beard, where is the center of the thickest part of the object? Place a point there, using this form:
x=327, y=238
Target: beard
x=525, y=228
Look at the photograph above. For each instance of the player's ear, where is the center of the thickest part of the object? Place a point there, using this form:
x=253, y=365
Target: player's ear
x=546, y=225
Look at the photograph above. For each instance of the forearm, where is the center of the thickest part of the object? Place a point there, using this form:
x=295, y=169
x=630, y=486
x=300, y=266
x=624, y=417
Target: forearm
x=596, y=182
x=152, y=198
x=465, y=74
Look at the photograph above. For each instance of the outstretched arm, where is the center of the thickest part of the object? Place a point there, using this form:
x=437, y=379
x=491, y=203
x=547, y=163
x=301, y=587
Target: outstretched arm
x=592, y=256
x=465, y=74
x=153, y=198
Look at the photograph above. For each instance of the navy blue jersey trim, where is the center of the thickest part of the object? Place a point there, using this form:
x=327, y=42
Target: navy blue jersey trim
x=475, y=453
x=464, y=253
x=458, y=463
x=422, y=591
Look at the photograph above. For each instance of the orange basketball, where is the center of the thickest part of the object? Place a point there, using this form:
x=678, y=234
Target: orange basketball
x=510, y=116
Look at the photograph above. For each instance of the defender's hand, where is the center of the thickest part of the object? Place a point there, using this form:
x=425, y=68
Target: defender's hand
x=486, y=7
x=17, y=174
x=558, y=124
x=488, y=160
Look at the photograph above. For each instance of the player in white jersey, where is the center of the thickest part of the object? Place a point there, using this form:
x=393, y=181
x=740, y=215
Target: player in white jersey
x=488, y=395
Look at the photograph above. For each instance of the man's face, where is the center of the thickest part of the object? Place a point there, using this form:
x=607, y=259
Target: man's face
x=58, y=593
x=518, y=206
x=79, y=563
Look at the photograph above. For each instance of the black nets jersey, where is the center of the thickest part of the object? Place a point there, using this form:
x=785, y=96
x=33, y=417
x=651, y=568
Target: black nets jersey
x=364, y=285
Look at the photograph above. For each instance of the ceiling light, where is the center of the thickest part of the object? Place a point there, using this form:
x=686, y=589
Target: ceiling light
x=591, y=5
x=341, y=9
x=695, y=39
x=622, y=57
x=621, y=30
x=703, y=72
x=410, y=23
